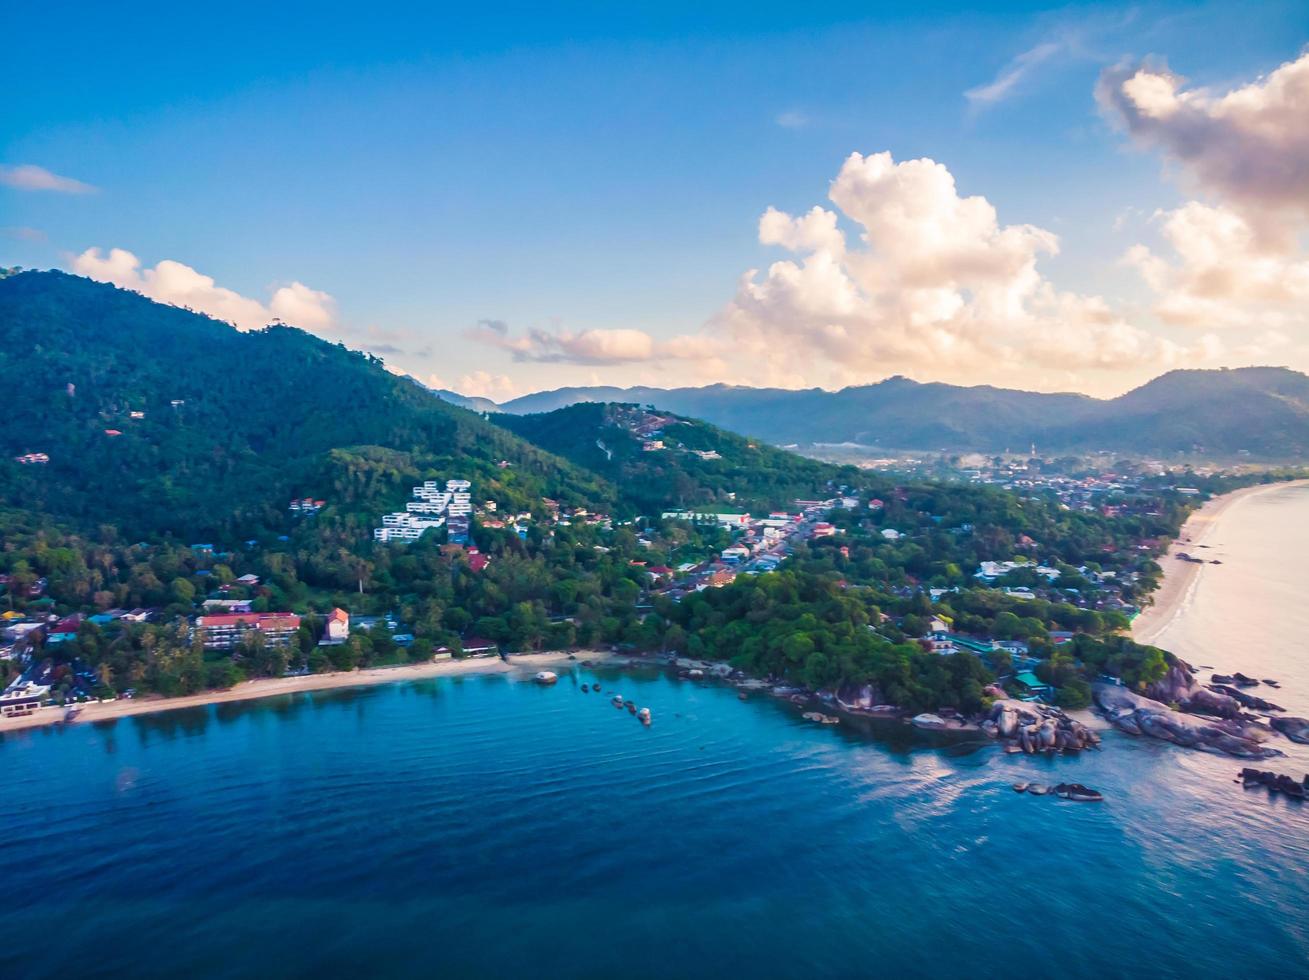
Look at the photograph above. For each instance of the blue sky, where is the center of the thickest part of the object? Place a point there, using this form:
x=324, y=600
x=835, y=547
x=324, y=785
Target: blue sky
x=591, y=172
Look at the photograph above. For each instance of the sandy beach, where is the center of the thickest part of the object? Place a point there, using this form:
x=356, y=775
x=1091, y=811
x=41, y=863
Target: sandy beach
x=272, y=686
x=1180, y=576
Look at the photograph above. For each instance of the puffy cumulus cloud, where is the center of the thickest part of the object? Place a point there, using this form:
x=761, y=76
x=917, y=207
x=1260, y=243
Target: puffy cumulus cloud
x=180, y=285
x=595, y=346
x=29, y=177
x=1249, y=146
x=483, y=384
x=935, y=284
x=1224, y=273
x=311, y=309
x=1235, y=261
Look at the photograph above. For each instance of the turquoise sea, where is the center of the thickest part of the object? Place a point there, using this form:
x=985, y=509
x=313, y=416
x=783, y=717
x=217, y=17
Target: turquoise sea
x=489, y=827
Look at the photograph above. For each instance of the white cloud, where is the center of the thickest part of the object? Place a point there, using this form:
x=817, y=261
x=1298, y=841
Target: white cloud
x=23, y=233
x=1225, y=274
x=29, y=177
x=1236, y=262
x=180, y=285
x=483, y=384
x=1011, y=75
x=595, y=346
x=311, y=309
x=1249, y=146
x=934, y=285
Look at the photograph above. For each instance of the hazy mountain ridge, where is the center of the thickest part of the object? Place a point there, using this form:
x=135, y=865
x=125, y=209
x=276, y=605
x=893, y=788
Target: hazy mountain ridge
x=1263, y=411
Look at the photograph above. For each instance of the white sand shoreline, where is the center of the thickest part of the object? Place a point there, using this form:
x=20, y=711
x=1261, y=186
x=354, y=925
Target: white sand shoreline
x=266, y=687
x=1181, y=577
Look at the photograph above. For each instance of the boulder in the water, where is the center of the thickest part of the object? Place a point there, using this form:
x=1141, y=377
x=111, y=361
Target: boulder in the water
x=1294, y=728
x=1078, y=792
x=929, y=722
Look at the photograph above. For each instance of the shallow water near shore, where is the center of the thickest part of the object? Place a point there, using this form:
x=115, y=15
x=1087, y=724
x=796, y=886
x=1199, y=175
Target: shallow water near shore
x=488, y=826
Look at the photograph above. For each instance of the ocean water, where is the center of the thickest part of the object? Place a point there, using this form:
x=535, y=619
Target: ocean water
x=485, y=826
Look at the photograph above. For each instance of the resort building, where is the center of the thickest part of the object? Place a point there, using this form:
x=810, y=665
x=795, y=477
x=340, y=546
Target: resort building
x=22, y=699
x=431, y=507
x=224, y=631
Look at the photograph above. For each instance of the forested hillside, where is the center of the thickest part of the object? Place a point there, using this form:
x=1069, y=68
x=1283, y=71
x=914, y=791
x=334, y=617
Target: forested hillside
x=659, y=460
x=162, y=420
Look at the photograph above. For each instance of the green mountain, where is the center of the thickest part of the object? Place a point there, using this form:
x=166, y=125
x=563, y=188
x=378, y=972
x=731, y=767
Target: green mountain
x=1261, y=411
x=659, y=459
x=157, y=419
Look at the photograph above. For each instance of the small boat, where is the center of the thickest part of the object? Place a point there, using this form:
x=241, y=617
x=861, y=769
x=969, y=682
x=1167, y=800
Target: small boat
x=546, y=677
x=1038, y=789
x=631, y=707
x=644, y=715
x=742, y=696
x=1020, y=787
x=585, y=688
x=617, y=700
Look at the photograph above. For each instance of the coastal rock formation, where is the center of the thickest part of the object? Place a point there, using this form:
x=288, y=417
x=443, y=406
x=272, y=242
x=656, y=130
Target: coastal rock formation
x=1179, y=687
x=1246, y=700
x=1276, y=782
x=859, y=697
x=1138, y=715
x=821, y=718
x=1296, y=729
x=1034, y=727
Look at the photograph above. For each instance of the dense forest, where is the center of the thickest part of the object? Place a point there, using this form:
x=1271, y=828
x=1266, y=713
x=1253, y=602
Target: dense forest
x=660, y=460
x=160, y=420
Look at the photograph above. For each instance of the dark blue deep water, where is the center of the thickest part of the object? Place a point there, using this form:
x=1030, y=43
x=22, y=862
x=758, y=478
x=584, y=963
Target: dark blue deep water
x=484, y=826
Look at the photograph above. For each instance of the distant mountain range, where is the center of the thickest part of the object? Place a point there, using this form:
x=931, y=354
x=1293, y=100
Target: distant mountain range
x=1262, y=411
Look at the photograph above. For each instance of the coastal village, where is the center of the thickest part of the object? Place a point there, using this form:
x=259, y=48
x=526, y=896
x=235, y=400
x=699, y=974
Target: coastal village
x=230, y=615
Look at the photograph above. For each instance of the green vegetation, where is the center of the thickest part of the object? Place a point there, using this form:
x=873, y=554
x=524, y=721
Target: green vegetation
x=610, y=440
x=232, y=426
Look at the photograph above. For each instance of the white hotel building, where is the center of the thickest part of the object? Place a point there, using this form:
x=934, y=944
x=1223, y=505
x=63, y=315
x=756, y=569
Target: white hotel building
x=430, y=508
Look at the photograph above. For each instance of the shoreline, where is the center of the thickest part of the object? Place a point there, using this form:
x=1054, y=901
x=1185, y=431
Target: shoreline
x=1181, y=577
x=267, y=687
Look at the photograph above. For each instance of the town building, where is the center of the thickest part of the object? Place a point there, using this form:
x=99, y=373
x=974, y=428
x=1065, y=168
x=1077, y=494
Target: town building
x=22, y=699
x=337, y=630
x=224, y=630
x=431, y=507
